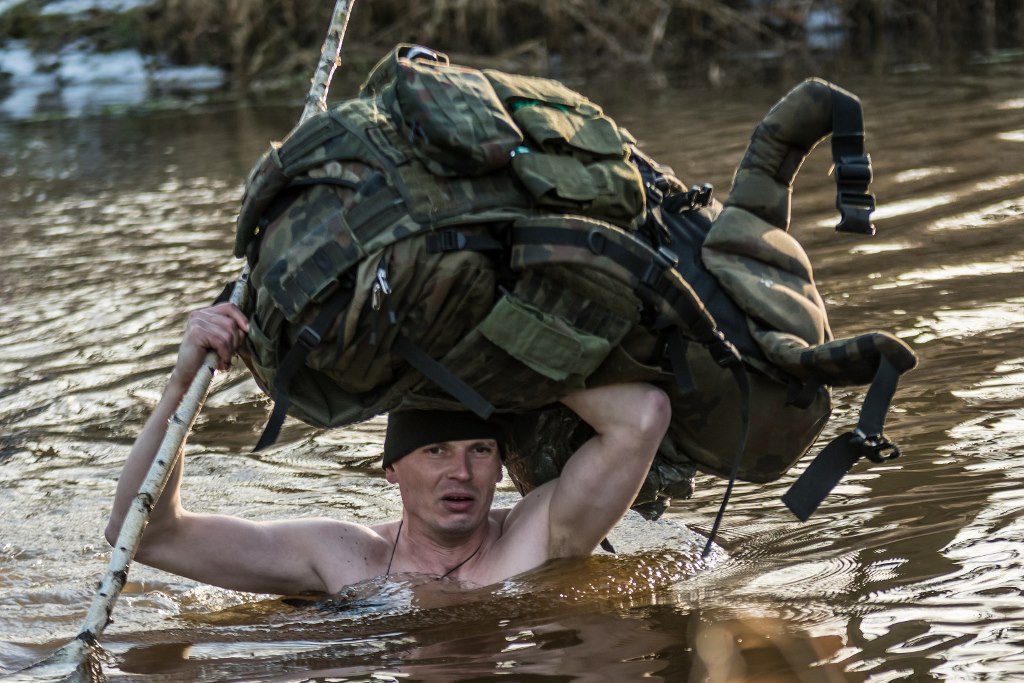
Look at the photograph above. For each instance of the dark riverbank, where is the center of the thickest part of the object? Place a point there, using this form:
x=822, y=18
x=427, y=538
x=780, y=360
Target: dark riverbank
x=147, y=53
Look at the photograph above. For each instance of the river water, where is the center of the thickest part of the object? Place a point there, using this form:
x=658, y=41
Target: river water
x=113, y=228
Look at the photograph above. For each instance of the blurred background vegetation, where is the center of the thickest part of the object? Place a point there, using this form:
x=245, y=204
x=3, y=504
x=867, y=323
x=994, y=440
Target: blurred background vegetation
x=273, y=43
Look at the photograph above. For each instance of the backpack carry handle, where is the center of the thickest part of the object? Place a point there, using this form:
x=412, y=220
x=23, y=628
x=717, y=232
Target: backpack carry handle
x=763, y=183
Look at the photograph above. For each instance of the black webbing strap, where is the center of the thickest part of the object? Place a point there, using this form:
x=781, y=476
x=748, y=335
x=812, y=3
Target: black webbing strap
x=325, y=180
x=677, y=358
x=295, y=359
x=676, y=352
x=442, y=377
x=877, y=401
x=739, y=372
x=821, y=476
x=836, y=459
x=456, y=240
x=852, y=165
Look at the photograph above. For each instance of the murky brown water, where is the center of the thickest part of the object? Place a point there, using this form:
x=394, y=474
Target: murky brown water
x=112, y=229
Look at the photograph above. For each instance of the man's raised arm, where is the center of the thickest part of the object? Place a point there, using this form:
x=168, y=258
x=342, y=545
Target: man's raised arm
x=220, y=328
x=217, y=549
x=601, y=480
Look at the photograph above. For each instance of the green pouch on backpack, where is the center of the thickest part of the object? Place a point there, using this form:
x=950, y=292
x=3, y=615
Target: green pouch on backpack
x=555, y=180
x=558, y=119
x=609, y=189
x=543, y=342
x=557, y=127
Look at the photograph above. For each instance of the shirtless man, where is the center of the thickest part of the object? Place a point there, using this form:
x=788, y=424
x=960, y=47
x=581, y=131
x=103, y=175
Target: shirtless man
x=446, y=467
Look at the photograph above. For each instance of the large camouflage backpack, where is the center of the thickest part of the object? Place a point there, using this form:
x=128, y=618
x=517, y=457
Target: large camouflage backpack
x=463, y=239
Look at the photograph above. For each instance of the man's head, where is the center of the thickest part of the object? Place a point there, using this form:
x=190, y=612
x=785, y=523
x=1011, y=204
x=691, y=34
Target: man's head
x=446, y=465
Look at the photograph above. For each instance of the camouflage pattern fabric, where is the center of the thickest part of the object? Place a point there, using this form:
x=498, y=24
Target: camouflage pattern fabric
x=504, y=226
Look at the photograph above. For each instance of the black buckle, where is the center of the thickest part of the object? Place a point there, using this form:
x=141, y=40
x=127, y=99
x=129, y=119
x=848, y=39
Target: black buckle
x=446, y=240
x=875, y=447
x=854, y=202
x=854, y=218
x=700, y=196
x=308, y=337
x=723, y=352
x=697, y=197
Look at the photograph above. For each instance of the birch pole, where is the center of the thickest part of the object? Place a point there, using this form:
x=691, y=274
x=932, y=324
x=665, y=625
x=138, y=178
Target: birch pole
x=83, y=650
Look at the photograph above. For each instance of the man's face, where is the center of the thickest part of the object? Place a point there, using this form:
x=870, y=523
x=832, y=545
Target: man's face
x=449, y=486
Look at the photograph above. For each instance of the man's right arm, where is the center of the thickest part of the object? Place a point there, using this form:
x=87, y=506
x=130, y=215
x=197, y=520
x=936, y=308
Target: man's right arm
x=569, y=515
x=272, y=557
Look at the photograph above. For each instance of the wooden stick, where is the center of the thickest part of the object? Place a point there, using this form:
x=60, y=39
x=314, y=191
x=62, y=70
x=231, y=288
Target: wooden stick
x=82, y=651
x=330, y=55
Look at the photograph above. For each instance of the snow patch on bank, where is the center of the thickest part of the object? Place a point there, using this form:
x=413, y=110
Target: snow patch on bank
x=79, y=6
x=78, y=80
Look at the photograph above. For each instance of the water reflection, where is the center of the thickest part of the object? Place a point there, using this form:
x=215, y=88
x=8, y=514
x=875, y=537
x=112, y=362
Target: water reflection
x=113, y=228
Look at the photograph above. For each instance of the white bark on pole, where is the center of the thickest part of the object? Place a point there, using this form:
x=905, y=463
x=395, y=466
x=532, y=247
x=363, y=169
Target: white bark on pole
x=82, y=652
x=330, y=57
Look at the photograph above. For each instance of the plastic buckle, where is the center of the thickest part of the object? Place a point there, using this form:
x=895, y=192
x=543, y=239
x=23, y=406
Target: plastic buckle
x=875, y=446
x=447, y=240
x=308, y=337
x=855, y=210
x=724, y=353
x=700, y=196
x=853, y=200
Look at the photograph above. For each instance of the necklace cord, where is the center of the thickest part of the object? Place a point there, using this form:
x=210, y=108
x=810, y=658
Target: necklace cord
x=443, y=576
x=395, y=546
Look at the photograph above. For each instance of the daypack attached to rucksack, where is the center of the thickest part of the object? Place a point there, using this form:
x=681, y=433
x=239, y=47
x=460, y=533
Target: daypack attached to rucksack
x=464, y=239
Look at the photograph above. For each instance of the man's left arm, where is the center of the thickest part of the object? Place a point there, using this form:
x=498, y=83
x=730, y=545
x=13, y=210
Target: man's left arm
x=601, y=480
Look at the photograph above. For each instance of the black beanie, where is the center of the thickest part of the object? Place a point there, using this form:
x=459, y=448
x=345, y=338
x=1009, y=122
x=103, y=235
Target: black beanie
x=412, y=429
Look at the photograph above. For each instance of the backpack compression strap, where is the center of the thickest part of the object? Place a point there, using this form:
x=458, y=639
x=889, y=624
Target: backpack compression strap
x=852, y=165
x=836, y=459
x=295, y=359
x=443, y=377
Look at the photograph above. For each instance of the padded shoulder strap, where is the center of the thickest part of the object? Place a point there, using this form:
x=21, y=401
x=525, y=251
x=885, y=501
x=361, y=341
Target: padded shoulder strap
x=574, y=239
